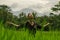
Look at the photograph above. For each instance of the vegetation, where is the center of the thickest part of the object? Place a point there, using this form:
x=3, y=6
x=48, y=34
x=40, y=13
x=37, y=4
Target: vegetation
x=6, y=34
x=6, y=15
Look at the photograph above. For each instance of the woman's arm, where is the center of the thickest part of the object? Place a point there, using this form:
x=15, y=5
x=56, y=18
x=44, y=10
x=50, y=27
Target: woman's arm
x=46, y=24
x=13, y=24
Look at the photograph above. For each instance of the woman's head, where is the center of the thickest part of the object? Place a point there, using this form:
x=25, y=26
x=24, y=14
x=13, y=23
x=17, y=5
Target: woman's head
x=30, y=16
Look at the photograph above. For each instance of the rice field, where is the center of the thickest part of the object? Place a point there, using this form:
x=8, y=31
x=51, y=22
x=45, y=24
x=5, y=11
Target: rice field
x=7, y=34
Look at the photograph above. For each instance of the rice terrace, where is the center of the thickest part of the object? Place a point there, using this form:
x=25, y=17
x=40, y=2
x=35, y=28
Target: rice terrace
x=30, y=24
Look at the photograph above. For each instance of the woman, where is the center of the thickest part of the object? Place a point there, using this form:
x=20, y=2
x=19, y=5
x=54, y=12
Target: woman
x=31, y=24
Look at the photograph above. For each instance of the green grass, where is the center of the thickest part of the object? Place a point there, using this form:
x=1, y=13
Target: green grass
x=6, y=34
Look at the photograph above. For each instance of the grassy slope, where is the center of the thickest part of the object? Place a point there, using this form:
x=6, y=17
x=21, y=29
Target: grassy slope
x=6, y=34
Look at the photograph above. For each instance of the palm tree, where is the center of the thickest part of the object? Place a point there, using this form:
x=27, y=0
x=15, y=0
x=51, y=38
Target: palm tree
x=56, y=8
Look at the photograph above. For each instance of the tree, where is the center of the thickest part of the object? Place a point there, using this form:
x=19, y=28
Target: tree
x=22, y=17
x=51, y=14
x=55, y=18
x=34, y=14
x=56, y=7
x=5, y=12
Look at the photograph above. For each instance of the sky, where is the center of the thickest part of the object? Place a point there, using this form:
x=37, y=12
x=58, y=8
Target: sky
x=42, y=6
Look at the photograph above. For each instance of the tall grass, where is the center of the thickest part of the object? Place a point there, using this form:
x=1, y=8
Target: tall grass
x=6, y=34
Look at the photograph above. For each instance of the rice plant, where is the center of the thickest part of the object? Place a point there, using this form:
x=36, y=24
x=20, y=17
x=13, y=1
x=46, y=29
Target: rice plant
x=7, y=34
